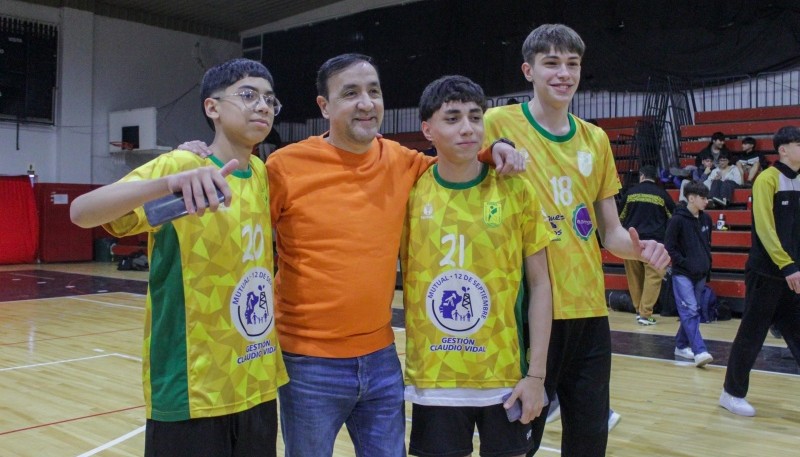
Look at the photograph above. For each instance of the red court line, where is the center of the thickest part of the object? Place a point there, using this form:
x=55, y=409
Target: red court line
x=70, y=420
x=71, y=336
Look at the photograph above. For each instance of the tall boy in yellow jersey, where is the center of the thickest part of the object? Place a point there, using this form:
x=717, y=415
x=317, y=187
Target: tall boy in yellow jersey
x=468, y=233
x=572, y=170
x=212, y=364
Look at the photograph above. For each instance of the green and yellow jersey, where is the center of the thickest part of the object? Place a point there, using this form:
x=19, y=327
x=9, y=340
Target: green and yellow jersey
x=569, y=173
x=210, y=346
x=462, y=256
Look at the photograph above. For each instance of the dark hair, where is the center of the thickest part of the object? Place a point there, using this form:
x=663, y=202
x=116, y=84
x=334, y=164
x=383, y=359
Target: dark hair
x=749, y=140
x=228, y=73
x=695, y=188
x=336, y=65
x=723, y=154
x=453, y=88
x=786, y=135
x=648, y=172
x=558, y=37
x=718, y=136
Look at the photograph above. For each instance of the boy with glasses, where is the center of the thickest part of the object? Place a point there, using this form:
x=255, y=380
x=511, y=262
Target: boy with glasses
x=212, y=363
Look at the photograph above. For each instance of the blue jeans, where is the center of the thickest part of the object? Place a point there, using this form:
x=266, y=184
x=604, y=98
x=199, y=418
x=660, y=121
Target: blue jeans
x=364, y=393
x=687, y=295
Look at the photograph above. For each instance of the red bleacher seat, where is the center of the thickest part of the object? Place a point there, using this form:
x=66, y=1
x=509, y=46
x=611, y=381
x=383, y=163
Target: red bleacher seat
x=694, y=147
x=609, y=123
x=747, y=114
x=739, y=195
x=728, y=287
x=411, y=140
x=736, y=128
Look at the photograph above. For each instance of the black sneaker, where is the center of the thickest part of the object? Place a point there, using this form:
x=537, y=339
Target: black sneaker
x=720, y=202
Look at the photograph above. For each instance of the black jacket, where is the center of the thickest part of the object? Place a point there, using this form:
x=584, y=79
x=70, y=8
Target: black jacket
x=776, y=235
x=688, y=241
x=647, y=208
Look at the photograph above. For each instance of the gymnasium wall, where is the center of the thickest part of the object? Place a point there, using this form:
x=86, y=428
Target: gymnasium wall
x=105, y=65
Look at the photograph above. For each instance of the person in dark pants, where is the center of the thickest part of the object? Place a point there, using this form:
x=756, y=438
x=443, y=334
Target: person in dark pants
x=772, y=273
x=646, y=207
x=572, y=169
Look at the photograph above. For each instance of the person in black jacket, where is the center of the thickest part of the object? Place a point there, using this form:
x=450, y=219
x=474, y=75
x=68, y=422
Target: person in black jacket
x=646, y=207
x=772, y=273
x=688, y=241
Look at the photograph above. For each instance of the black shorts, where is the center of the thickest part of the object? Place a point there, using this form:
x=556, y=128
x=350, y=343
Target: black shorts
x=447, y=431
x=245, y=434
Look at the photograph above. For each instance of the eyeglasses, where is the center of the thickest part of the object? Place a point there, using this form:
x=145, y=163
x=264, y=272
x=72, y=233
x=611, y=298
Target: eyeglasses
x=250, y=99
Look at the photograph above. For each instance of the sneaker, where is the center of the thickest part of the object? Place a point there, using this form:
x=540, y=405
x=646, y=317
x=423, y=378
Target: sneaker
x=613, y=419
x=555, y=411
x=685, y=353
x=702, y=359
x=646, y=321
x=736, y=405
x=720, y=202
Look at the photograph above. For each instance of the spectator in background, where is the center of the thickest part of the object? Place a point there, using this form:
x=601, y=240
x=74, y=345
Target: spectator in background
x=647, y=207
x=772, y=275
x=699, y=174
x=722, y=181
x=713, y=150
x=749, y=161
x=688, y=241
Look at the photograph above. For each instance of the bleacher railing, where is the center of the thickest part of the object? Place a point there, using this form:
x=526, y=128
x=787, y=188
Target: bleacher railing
x=709, y=94
x=742, y=91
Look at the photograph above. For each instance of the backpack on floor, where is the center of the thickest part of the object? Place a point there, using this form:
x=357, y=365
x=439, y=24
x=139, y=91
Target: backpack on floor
x=666, y=298
x=620, y=301
x=724, y=312
x=707, y=306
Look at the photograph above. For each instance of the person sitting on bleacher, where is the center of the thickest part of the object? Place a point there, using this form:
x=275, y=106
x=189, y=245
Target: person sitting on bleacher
x=698, y=175
x=712, y=151
x=749, y=161
x=722, y=181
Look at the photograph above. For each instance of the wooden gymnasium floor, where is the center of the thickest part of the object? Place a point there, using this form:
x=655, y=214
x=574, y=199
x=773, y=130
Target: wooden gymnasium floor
x=70, y=377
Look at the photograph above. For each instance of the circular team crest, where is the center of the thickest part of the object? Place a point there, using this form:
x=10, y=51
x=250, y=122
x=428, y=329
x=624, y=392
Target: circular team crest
x=458, y=302
x=582, y=222
x=252, y=305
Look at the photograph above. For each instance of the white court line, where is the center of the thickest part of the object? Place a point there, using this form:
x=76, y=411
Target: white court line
x=113, y=442
x=114, y=354
x=80, y=298
x=33, y=276
x=687, y=362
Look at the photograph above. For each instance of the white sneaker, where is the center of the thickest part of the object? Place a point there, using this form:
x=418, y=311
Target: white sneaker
x=613, y=419
x=702, y=359
x=685, y=353
x=736, y=405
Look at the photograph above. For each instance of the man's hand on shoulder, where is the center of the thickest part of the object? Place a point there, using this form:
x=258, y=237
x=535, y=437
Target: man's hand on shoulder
x=196, y=146
x=508, y=161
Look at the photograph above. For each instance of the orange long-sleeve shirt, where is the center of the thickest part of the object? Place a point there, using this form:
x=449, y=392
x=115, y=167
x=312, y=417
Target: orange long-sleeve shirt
x=338, y=218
